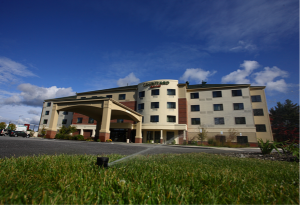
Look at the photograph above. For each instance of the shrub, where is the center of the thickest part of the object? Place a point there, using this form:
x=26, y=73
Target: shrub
x=98, y=140
x=89, y=139
x=78, y=137
x=267, y=147
x=109, y=140
x=194, y=143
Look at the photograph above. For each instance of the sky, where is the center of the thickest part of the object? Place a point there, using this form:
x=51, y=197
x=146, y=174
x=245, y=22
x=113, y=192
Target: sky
x=52, y=49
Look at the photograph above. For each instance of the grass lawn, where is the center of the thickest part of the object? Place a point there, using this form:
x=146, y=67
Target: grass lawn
x=155, y=179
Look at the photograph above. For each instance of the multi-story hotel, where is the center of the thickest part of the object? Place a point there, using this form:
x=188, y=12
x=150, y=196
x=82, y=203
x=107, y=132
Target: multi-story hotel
x=158, y=110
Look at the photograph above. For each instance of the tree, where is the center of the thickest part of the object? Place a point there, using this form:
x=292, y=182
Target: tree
x=202, y=135
x=285, y=121
x=43, y=131
x=67, y=130
x=12, y=126
x=2, y=125
x=232, y=134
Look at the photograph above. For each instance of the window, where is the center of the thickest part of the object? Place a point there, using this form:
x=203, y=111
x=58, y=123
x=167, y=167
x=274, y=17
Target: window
x=217, y=94
x=171, y=118
x=240, y=120
x=64, y=121
x=154, y=118
x=195, y=107
x=219, y=121
x=122, y=96
x=242, y=139
x=79, y=120
x=238, y=106
x=120, y=120
x=142, y=94
x=218, y=107
x=154, y=105
x=171, y=105
x=141, y=106
x=48, y=104
x=261, y=128
x=195, y=121
x=83, y=98
x=94, y=96
x=171, y=92
x=47, y=112
x=45, y=122
x=258, y=112
x=109, y=96
x=155, y=92
x=91, y=120
x=65, y=113
x=236, y=93
x=256, y=98
x=194, y=95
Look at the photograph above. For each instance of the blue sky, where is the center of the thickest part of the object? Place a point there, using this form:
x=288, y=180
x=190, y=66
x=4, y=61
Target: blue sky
x=54, y=48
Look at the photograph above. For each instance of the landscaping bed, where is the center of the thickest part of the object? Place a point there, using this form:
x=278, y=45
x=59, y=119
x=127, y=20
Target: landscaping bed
x=274, y=156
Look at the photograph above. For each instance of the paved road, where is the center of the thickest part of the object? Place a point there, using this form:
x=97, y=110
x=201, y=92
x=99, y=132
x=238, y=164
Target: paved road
x=18, y=146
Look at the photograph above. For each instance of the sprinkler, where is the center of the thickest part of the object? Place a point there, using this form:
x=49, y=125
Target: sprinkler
x=102, y=161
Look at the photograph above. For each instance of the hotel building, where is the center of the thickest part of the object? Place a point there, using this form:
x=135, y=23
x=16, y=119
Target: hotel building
x=158, y=110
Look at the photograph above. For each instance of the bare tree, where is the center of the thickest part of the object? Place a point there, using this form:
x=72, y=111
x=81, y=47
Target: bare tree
x=202, y=134
x=232, y=134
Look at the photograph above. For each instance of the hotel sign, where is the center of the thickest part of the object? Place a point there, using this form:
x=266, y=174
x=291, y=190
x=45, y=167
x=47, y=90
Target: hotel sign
x=156, y=84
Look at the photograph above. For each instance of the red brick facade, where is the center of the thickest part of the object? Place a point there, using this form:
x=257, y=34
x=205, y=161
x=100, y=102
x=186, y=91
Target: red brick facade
x=182, y=111
x=50, y=134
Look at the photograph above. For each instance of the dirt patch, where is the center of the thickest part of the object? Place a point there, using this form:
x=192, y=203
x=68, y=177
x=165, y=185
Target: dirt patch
x=275, y=156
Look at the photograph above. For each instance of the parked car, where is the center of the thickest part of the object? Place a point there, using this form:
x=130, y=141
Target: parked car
x=21, y=133
x=11, y=133
x=3, y=132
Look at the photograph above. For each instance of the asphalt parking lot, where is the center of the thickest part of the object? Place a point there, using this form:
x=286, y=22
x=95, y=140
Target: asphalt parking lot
x=19, y=146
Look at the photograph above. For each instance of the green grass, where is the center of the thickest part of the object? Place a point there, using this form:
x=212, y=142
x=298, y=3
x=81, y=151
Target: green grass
x=156, y=179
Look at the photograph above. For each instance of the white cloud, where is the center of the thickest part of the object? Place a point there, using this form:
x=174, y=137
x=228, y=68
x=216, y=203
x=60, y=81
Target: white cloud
x=10, y=70
x=267, y=76
x=196, y=74
x=34, y=112
x=33, y=95
x=243, y=46
x=239, y=76
x=128, y=80
x=262, y=78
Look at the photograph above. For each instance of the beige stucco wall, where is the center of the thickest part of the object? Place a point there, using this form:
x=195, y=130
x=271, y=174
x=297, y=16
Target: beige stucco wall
x=262, y=119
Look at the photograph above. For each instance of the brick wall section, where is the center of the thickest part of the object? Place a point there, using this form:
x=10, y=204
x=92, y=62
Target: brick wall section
x=182, y=111
x=85, y=119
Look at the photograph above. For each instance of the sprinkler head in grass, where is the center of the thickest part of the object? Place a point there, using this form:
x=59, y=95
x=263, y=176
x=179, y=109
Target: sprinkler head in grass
x=102, y=161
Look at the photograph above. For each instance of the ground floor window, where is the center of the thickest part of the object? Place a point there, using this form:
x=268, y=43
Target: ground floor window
x=64, y=121
x=170, y=135
x=242, y=139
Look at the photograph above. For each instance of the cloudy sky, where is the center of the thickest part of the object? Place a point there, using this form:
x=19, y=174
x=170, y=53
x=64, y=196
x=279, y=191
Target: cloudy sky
x=55, y=48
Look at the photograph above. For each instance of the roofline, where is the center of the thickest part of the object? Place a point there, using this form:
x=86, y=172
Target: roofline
x=219, y=87
x=257, y=87
x=132, y=87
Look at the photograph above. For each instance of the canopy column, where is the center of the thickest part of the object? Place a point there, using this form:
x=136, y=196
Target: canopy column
x=104, y=133
x=51, y=132
x=138, y=136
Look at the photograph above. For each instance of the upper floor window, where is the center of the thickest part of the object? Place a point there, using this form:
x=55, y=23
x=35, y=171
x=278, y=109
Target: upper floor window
x=155, y=92
x=155, y=105
x=47, y=112
x=91, y=120
x=219, y=121
x=94, y=96
x=141, y=106
x=154, y=118
x=236, y=93
x=194, y=95
x=240, y=120
x=218, y=107
x=83, y=98
x=48, y=104
x=109, y=96
x=261, y=128
x=79, y=120
x=238, y=106
x=195, y=107
x=64, y=121
x=45, y=122
x=120, y=120
x=171, y=105
x=195, y=121
x=142, y=94
x=122, y=96
x=258, y=112
x=65, y=113
x=217, y=94
x=256, y=98
x=171, y=118
x=171, y=92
